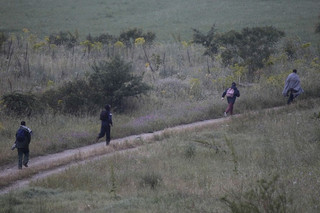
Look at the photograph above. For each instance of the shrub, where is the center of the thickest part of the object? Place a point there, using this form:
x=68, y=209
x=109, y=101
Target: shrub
x=19, y=104
x=208, y=41
x=129, y=37
x=153, y=180
x=266, y=196
x=113, y=81
x=250, y=47
x=64, y=38
x=76, y=97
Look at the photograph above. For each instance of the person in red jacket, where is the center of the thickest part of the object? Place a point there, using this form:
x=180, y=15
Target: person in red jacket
x=232, y=93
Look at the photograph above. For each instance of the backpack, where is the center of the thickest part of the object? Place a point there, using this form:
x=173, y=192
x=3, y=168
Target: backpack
x=106, y=116
x=21, y=135
x=230, y=92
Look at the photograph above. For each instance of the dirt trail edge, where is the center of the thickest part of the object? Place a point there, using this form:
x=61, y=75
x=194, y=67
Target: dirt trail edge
x=40, y=167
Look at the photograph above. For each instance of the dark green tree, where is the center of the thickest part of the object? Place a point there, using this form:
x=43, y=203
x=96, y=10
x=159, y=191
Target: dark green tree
x=113, y=81
x=250, y=47
x=207, y=40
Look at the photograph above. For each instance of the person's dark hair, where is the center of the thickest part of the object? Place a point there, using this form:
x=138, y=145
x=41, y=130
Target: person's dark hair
x=23, y=123
x=107, y=107
x=234, y=84
x=295, y=71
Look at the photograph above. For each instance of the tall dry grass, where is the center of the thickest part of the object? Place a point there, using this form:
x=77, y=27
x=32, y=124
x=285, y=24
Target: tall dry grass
x=187, y=87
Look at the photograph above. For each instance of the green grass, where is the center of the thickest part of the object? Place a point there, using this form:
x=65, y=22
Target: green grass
x=296, y=18
x=164, y=177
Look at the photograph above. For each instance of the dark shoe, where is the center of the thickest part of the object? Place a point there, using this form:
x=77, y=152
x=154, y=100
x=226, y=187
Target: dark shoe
x=19, y=167
x=107, y=143
x=25, y=164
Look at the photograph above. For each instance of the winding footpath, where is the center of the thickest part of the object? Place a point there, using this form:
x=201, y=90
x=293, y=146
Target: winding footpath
x=43, y=166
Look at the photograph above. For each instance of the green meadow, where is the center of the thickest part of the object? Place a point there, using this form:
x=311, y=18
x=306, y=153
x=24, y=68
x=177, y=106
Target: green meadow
x=165, y=18
x=266, y=162
x=263, y=161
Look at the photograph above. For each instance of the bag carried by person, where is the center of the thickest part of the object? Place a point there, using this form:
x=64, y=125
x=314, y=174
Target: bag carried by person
x=21, y=135
x=230, y=92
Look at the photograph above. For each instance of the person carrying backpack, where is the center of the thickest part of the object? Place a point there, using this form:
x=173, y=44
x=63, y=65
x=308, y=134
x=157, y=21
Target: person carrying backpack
x=232, y=93
x=23, y=139
x=106, y=123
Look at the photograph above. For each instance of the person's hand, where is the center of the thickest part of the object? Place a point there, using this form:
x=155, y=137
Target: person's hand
x=222, y=98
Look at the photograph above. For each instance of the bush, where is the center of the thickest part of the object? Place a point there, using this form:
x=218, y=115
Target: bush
x=153, y=180
x=250, y=47
x=113, y=81
x=18, y=104
x=129, y=37
x=64, y=38
x=266, y=196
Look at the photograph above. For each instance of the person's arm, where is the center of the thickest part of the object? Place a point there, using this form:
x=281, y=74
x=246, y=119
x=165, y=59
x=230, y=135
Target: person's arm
x=238, y=93
x=224, y=93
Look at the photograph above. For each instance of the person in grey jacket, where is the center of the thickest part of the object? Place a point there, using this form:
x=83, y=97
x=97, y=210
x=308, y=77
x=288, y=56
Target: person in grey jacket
x=232, y=93
x=292, y=87
x=23, y=139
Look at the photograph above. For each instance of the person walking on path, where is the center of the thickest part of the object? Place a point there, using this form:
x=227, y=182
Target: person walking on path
x=23, y=139
x=232, y=93
x=292, y=87
x=106, y=123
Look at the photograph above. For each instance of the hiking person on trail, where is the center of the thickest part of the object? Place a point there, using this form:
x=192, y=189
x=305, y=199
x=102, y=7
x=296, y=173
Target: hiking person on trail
x=23, y=139
x=292, y=87
x=106, y=123
x=232, y=93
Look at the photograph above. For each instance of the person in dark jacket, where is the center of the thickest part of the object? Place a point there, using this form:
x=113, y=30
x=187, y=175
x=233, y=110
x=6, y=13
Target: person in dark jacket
x=232, y=93
x=23, y=139
x=106, y=123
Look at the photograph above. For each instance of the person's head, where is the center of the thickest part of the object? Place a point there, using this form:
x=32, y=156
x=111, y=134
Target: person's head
x=107, y=107
x=23, y=123
x=233, y=84
x=295, y=71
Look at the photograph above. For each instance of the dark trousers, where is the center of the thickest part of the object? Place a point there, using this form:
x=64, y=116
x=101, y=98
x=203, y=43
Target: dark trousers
x=291, y=96
x=23, y=154
x=105, y=130
x=230, y=108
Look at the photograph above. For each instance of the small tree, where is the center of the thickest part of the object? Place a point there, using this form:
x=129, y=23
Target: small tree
x=250, y=47
x=208, y=41
x=113, y=81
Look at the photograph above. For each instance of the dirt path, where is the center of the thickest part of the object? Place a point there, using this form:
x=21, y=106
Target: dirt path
x=40, y=167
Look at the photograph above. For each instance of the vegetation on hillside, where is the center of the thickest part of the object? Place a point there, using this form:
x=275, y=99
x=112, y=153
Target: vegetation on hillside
x=263, y=162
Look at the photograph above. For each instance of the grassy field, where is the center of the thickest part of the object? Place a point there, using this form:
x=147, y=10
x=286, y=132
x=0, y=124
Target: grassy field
x=167, y=17
x=268, y=161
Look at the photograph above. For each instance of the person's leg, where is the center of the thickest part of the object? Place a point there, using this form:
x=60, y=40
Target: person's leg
x=26, y=157
x=20, y=154
x=102, y=132
x=108, y=137
x=290, y=97
x=231, y=108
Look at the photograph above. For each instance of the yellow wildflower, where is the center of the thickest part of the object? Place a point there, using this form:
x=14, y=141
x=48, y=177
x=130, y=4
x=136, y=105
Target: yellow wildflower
x=25, y=30
x=139, y=41
x=119, y=44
